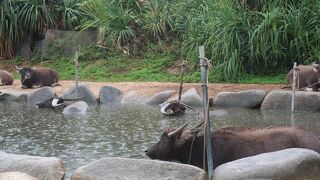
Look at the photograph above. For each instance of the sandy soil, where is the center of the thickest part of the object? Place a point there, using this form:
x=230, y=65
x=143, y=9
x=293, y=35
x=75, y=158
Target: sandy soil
x=149, y=88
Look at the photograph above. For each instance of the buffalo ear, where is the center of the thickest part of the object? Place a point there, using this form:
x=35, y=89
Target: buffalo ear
x=316, y=67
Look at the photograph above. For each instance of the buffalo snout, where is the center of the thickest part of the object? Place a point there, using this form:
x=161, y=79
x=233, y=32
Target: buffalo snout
x=27, y=76
x=151, y=153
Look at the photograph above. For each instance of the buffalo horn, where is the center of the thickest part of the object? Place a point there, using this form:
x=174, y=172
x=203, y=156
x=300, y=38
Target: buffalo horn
x=178, y=130
x=197, y=126
x=17, y=68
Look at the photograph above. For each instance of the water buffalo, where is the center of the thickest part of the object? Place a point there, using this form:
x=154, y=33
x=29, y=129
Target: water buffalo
x=307, y=76
x=230, y=143
x=5, y=78
x=56, y=102
x=173, y=108
x=38, y=77
x=51, y=103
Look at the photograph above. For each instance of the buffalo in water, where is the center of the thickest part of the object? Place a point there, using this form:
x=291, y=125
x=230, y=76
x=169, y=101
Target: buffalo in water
x=52, y=103
x=229, y=144
x=56, y=102
x=307, y=77
x=5, y=78
x=38, y=77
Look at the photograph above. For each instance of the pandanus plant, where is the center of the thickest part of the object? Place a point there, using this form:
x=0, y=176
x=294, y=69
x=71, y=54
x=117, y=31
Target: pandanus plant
x=114, y=23
x=11, y=32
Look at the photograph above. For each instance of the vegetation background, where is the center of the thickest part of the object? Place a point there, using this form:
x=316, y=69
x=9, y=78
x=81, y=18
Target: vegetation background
x=248, y=41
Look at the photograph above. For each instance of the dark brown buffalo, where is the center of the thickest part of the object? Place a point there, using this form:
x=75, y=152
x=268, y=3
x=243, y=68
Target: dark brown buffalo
x=5, y=78
x=38, y=77
x=229, y=143
x=307, y=76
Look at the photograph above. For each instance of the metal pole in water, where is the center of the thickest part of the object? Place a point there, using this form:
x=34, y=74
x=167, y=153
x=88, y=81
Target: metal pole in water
x=204, y=64
x=294, y=78
x=77, y=65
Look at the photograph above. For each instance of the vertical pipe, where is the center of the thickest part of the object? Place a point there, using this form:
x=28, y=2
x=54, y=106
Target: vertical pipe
x=76, y=63
x=204, y=66
x=294, y=78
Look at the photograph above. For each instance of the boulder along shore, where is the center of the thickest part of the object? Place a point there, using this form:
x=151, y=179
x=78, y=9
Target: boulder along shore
x=149, y=88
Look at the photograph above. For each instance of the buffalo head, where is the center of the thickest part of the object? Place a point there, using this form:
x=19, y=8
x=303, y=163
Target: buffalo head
x=174, y=144
x=27, y=75
x=26, y=72
x=167, y=147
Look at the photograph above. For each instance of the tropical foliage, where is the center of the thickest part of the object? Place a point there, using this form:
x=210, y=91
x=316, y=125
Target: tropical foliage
x=10, y=30
x=241, y=37
x=31, y=18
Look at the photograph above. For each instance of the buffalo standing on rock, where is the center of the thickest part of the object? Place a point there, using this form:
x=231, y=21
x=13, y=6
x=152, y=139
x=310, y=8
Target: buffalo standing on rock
x=229, y=144
x=307, y=76
x=5, y=78
x=38, y=77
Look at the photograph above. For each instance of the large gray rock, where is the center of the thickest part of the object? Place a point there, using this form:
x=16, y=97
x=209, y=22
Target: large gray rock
x=13, y=95
x=134, y=97
x=44, y=168
x=77, y=108
x=16, y=176
x=82, y=91
x=136, y=169
x=40, y=95
x=109, y=94
x=286, y=164
x=160, y=97
x=192, y=98
x=241, y=99
x=281, y=100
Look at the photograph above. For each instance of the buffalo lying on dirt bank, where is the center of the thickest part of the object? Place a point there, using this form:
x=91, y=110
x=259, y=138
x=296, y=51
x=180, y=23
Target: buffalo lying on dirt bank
x=5, y=78
x=307, y=76
x=38, y=77
x=229, y=144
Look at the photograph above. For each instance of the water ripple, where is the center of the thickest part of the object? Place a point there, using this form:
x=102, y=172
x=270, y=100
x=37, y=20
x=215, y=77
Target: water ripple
x=110, y=131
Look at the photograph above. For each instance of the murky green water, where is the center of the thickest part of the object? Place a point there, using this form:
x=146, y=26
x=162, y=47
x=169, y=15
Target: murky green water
x=124, y=131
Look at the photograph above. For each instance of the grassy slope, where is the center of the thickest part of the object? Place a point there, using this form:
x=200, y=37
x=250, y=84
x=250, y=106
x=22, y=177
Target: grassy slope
x=118, y=67
x=122, y=68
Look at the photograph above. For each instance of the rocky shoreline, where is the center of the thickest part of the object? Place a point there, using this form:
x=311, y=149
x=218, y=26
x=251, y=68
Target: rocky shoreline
x=271, y=98
x=148, y=88
x=291, y=163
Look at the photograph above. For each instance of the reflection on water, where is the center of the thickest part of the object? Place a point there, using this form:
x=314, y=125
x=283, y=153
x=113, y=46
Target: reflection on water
x=124, y=131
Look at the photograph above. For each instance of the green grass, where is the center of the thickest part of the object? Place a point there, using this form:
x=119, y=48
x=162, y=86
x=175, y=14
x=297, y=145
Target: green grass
x=117, y=68
x=271, y=79
x=123, y=68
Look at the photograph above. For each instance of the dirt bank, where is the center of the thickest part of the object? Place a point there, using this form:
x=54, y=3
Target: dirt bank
x=150, y=88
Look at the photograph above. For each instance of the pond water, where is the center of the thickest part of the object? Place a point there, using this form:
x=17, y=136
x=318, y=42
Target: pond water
x=115, y=131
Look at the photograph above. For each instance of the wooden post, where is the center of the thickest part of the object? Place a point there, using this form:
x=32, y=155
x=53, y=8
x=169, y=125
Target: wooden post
x=183, y=65
x=204, y=63
x=77, y=65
